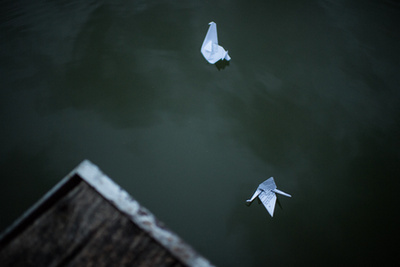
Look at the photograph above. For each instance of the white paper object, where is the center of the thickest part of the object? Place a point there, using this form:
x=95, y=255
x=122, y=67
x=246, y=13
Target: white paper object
x=210, y=49
x=266, y=192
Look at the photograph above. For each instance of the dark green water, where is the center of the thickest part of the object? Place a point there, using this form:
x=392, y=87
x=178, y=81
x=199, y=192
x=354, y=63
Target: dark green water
x=311, y=97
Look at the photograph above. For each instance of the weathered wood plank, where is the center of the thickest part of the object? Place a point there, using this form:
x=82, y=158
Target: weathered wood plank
x=87, y=220
x=83, y=229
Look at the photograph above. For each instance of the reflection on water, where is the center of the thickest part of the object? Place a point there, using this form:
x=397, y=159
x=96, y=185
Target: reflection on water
x=310, y=97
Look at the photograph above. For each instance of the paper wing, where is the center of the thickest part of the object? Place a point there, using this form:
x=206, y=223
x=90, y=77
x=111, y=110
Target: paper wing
x=268, y=199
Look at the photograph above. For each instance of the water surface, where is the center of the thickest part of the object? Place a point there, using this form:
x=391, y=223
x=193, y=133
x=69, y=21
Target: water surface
x=311, y=97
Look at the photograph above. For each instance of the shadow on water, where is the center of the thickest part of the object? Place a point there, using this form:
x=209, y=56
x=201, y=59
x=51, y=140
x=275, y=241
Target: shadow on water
x=222, y=64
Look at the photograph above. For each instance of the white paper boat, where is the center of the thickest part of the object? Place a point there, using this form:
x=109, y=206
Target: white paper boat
x=266, y=192
x=210, y=49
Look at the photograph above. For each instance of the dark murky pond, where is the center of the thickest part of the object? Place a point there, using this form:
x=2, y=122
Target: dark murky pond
x=310, y=97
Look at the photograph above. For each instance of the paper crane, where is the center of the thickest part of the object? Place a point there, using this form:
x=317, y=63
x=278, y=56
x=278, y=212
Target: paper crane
x=210, y=49
x=266, y=192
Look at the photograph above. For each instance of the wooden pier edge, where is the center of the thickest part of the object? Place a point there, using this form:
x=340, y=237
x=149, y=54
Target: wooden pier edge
x=117, y=197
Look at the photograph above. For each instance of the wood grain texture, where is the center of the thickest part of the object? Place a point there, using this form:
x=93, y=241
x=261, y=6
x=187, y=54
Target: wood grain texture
x=83, y=229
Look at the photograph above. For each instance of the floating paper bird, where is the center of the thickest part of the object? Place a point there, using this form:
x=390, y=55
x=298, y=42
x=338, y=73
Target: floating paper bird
x=210, y=49
x=266, y=192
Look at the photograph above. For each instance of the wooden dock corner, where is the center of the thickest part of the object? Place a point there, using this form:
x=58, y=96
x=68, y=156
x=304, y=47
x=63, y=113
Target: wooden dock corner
x=88, y=220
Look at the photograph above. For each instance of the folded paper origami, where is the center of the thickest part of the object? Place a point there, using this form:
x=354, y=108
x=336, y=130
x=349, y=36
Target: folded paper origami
x=266, y=192
x=210, y=49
